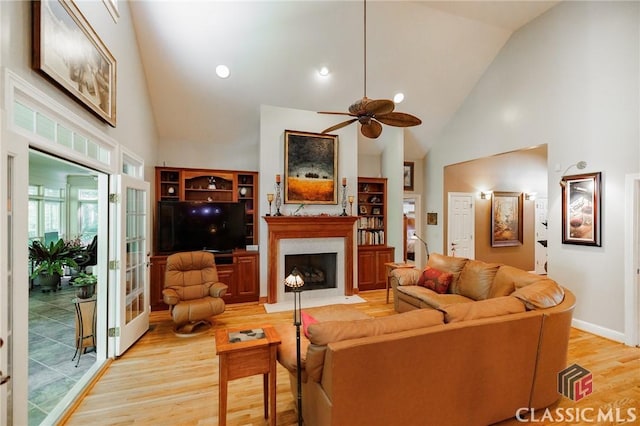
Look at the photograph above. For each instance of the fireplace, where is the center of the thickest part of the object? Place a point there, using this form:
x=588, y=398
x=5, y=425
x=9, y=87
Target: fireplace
x=318, y=270
x=294, y=235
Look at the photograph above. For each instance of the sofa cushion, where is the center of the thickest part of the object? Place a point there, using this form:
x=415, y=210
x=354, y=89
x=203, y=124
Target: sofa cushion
x=542, y=294
x=435, y=279
x=482, y=309
x=323, y=333
x=307, y=320
x=448, y=264
x=508, y=279
x=417, y=295
x=476, y=279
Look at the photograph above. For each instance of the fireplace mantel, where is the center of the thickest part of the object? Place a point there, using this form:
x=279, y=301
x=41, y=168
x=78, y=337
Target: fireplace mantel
x=292, y=227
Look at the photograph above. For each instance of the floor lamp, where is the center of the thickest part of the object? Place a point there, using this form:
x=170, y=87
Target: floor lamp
x=426, y=246
x=295, y=282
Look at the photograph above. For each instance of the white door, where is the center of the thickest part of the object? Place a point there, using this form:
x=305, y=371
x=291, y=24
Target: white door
x=14, y=288
x=129, y=261
x=461, y=225
x=540, y=227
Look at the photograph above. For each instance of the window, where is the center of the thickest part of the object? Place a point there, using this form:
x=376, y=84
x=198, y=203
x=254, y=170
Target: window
x=45, y=211
x=87, y=214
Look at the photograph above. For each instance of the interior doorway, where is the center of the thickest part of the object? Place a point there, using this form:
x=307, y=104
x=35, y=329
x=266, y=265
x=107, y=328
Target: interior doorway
x=414, y=249
x=64, y=204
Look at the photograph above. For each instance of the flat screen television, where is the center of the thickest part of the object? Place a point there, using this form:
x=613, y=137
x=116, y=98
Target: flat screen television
x=187, y=226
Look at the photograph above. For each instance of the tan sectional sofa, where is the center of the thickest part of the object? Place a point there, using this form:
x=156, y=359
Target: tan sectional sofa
x=474, y=359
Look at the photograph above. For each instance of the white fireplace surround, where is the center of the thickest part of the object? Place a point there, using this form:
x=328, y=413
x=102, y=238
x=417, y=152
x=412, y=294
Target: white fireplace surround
x=289, y=246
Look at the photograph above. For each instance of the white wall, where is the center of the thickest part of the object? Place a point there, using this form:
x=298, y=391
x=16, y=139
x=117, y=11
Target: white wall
x=135, y=126
x=569, y=79
x=273, y=122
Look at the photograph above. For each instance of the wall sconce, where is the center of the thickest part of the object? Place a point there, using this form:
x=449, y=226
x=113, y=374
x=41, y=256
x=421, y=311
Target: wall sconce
x=486, y=194
x=580, y=165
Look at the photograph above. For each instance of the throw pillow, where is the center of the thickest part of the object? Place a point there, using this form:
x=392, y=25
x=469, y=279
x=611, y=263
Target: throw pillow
x=435, y=279
x=307, y=320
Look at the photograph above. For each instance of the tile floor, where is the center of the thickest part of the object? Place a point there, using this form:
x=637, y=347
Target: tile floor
x=52, y=372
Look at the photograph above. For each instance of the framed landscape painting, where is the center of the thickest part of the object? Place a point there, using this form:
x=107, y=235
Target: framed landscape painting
x=581, y=209
x=506, y=219
x=310, y=168
x=68, y=52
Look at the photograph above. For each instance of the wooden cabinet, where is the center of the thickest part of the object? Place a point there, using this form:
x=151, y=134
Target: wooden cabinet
x=205, y=185
x=239, y=271
x=372, y=211
x=373, y=252
x=372, y=274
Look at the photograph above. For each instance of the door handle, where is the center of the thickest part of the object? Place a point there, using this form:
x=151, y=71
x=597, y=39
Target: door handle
x=4, y=379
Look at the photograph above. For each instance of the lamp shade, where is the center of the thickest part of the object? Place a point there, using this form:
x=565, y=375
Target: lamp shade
x=294, y=280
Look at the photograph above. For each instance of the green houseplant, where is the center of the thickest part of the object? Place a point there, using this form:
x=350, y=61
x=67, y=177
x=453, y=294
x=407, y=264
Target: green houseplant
x=85, y=285
x=49, y=262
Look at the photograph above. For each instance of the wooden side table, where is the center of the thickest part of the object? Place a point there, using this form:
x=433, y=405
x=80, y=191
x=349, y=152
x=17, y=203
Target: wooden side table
x=390, y=267
x=246, y=352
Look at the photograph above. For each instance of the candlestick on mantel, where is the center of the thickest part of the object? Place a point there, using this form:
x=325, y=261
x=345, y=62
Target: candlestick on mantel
x=344, y=181
x=277, y=178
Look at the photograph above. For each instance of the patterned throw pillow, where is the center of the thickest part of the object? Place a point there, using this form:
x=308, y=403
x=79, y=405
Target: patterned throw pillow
x=435, y=279
x=307, y=320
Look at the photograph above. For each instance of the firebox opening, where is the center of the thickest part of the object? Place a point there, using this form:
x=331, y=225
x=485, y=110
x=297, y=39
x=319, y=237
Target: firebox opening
x=318, y=270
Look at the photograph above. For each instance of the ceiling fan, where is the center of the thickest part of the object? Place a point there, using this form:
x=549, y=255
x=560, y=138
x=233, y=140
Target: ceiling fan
x=371, y=112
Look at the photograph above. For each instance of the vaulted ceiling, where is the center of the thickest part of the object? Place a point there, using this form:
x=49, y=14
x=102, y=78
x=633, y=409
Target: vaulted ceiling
x=433, y=52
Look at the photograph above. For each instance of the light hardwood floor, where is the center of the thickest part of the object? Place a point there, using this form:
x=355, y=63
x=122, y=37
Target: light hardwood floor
x=168, y=380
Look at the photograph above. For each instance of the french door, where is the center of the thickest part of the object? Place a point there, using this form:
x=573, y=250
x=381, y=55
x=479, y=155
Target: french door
x=129, y=260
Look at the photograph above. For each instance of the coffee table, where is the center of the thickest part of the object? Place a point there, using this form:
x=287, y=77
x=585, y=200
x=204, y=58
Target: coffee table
x=245, y=352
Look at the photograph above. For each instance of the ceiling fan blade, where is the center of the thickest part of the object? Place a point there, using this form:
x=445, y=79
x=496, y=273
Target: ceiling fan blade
x=371, y=130
x=336, y=113
x=379, y=106
x=339, y=125
x=399, y=119
x=366, y=106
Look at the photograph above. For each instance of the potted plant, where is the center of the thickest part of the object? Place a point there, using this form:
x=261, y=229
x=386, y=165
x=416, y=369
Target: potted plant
x=85, y=285
x=49, y=262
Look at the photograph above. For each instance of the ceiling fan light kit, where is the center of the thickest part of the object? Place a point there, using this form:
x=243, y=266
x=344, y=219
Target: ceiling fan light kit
x=371, y=112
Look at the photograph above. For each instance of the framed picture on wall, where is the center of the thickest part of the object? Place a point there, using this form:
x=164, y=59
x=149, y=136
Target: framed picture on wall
x=87, y=72
x=310, y=168
x=581, y=209
x=408, y=175
x=506, y=219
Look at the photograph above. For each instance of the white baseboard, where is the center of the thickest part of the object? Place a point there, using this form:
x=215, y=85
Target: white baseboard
x=598, y=330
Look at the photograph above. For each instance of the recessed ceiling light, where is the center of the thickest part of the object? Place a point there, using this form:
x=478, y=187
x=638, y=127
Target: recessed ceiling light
x=222, y=71
x=324, y=71
x=398, y=97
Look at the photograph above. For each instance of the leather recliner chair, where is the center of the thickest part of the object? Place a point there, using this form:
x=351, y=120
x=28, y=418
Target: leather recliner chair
x=192, y=290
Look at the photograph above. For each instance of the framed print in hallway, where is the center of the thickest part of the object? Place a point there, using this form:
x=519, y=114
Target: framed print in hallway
x=310, y=168
x=68, y=52
x=408, y=175
x=506, y=219
x=581, y=214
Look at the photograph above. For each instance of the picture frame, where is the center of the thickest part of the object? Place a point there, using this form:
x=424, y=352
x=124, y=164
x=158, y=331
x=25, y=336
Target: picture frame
x=581, y=209
x=88, y=77
x=432, y=218
x=376, y=210
x=362, y=209
x=310, y=168
x=506, y=219
x=408, y=175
